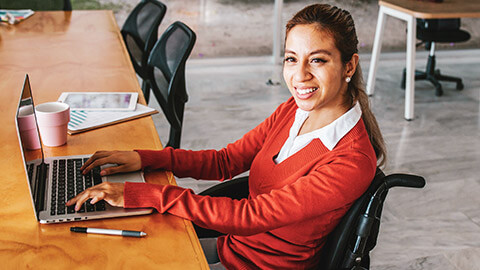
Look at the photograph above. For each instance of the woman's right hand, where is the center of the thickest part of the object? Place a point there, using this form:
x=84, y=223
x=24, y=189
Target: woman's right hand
x=126, y=161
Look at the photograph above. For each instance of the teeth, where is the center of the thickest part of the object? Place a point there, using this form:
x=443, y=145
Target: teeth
x=306, y=91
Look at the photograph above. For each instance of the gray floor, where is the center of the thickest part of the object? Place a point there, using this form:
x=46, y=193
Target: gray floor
x=235, y=28
x=437, y=227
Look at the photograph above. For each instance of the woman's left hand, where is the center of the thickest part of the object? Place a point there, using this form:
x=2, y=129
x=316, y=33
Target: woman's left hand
x=112, y=193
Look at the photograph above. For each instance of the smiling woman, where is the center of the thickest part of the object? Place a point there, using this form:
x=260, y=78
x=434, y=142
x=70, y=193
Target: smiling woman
x=308, y=162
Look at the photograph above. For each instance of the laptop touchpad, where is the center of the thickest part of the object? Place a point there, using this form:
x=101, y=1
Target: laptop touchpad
x=124, y=177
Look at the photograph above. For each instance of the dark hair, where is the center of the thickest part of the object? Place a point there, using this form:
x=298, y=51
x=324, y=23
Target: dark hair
x=339, y=23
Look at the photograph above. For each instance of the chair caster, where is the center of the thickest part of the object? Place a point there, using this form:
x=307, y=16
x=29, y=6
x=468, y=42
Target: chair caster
x=460, y=86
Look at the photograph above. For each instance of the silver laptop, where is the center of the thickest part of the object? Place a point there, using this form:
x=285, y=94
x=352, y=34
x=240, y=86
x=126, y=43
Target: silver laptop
x=55, y=180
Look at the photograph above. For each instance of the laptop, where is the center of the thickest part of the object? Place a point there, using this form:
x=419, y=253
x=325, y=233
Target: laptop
x=55, y=180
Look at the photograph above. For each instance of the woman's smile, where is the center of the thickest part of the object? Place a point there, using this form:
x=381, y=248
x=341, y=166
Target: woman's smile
x=305, y=92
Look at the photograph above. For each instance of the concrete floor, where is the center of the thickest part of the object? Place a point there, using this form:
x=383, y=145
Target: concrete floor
x=437, y=227
x=238, y=28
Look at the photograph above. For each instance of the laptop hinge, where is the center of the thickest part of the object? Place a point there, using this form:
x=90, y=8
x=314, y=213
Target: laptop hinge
x=42, y=172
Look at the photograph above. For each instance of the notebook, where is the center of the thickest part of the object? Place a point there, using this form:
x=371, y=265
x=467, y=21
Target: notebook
x=54, y=180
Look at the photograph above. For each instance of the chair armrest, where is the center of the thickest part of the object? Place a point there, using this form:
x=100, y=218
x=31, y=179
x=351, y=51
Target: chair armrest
x=404, y=180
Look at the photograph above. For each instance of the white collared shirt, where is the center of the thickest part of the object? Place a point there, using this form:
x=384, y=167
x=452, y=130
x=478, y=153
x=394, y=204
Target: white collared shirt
x=330, y=134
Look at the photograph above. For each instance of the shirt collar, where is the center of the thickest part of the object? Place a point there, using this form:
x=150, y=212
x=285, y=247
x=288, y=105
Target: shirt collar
x=332, y=133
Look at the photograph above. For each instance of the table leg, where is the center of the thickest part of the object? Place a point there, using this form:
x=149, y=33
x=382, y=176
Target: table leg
x=410, y=82
x=411, y=37
x=377, y=45
x=277, y=32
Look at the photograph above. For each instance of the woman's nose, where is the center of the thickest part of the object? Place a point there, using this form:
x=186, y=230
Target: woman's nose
x=302, y=73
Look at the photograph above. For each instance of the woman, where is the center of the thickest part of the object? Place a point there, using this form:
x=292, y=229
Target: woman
x=309, y=161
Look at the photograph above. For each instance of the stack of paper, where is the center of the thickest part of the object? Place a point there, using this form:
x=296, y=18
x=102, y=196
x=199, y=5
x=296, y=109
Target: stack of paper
x=81, y=120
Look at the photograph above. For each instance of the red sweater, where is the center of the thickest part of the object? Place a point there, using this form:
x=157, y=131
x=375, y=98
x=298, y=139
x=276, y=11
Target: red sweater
x=292, y=206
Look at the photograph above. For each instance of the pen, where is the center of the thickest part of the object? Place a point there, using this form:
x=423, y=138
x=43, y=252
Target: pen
x=107, y=231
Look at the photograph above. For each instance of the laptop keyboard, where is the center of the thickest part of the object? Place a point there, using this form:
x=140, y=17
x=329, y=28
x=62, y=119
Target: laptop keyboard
x=68, y=181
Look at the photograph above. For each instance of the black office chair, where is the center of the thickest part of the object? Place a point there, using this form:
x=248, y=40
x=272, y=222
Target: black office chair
x=167, y=77
x=140, y=32
x=349, y=244
x=40, y=5
x=431, y=31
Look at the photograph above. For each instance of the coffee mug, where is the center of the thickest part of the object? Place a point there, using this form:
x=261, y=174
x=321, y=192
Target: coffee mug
x=52, y=119
x=28, y=128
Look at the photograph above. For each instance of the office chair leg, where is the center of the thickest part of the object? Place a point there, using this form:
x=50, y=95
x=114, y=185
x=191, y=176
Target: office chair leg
x=404, y=79
x=451, y=79
x=419, y=75
x=438, y=86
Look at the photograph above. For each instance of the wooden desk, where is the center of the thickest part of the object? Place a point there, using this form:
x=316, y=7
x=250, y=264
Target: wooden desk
x=78, y=51
x=409, y=11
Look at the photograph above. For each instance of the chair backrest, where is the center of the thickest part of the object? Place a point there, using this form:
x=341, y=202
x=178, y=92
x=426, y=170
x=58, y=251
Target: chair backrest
x=167, y=78
x=349, y=244
x=140, y=32
x=37, y=5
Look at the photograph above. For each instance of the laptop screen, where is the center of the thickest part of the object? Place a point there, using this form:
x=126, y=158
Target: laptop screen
x=28, y=136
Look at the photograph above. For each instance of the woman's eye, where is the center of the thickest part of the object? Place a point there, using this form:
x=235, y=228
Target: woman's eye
x=289, y=59
x=318, y=60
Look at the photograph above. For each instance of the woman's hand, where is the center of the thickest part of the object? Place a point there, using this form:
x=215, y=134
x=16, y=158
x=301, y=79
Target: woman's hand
x=127, y=161
x=112, y=193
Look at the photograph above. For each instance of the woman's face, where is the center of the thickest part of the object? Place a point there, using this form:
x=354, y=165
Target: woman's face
x=313, y=70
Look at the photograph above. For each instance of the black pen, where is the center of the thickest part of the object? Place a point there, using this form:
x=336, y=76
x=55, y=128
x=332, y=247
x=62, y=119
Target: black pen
x=107, y=231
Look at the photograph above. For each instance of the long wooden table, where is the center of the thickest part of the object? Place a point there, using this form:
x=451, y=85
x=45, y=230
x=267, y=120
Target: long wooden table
x=78, y=51
x=409, y=11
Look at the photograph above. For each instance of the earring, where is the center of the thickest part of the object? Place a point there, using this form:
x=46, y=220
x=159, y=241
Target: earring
x=348, y=79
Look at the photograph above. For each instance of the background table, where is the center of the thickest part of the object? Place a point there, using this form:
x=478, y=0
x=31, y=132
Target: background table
x=409, y=11
x=78, y=51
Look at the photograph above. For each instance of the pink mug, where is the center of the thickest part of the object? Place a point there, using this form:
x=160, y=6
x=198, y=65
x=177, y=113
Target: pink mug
x=28, y=128
x=53, y=118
